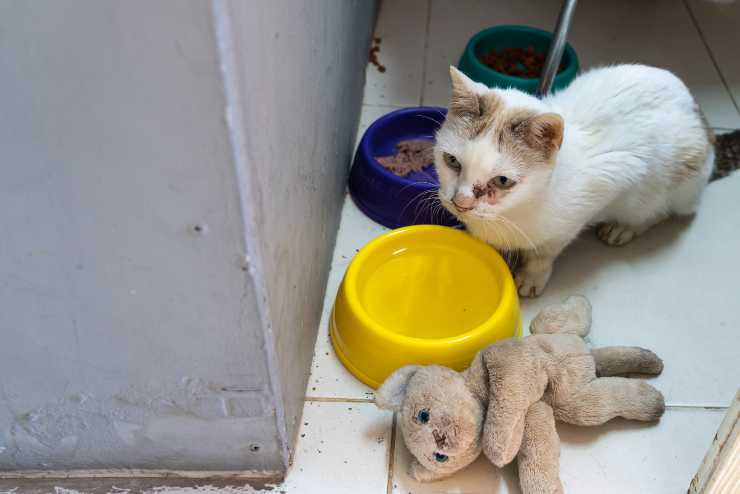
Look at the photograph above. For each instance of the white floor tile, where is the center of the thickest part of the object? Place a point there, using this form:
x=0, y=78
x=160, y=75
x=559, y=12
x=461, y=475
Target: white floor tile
x=659, y=33
x=630, y=457
x=618, y=457
x=329, y=378
x=402, y=28
x=719, y=25
x=355, y=231
x=673, y=290
x=343, y=447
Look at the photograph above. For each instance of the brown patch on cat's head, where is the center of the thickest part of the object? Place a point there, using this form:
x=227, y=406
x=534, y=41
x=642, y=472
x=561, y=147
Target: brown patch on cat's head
x=543, y=131
x=472, y=112
x=532, y=137
x=528, y=135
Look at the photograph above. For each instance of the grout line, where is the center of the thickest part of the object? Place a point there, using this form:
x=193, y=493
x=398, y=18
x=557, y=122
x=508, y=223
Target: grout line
x=695, y=407
x=426, y=52
x=711, y=55
x=320, y=399
x=391, y=456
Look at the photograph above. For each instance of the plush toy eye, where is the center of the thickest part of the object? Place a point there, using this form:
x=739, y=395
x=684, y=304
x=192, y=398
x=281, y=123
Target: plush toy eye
x=440, y=457
x=423, y=416
x=503, y=182
x=452, y=162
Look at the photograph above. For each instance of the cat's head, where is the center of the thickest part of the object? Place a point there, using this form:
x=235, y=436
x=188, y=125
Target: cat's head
x=496, y=150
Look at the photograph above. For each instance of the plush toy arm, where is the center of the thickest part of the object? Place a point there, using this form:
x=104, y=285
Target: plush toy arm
x=539, y=456
x=516, y=381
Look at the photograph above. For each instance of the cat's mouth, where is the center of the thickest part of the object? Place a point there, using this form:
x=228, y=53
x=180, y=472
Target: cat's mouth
x=450, y=206
x=462, y=212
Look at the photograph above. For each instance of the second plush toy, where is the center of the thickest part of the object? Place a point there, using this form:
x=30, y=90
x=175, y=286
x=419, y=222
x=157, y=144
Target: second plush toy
x=506, y=403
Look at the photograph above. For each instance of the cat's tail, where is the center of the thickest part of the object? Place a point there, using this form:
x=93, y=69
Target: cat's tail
x=727, y=155
x=572, y=316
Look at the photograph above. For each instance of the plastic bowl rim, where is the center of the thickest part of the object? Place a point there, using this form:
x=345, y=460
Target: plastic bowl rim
x=368, y=156
x=569, y=71
x=507, y=299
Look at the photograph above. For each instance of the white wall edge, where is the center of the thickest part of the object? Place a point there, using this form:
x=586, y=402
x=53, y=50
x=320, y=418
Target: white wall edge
x=237, y=137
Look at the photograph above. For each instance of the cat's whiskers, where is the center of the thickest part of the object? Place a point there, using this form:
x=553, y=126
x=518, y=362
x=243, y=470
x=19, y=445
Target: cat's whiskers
x=512, y=227
x=422, y=202
x=430, y=118
x=519, y=231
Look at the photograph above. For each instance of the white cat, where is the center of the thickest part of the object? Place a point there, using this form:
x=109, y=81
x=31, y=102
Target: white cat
x=622, y=147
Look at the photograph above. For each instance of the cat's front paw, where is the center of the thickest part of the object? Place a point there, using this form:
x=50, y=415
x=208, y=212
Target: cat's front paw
x=615, y=233
x=530, y=283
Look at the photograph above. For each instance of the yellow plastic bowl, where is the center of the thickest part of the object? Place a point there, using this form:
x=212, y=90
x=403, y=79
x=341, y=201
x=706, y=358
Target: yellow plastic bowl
x=421, y=295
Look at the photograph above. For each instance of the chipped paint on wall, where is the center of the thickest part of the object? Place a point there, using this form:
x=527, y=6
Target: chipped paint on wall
x=84, y=429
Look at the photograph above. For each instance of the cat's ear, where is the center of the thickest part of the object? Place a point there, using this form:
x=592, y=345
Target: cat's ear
x=543, y=132
x=464, y=101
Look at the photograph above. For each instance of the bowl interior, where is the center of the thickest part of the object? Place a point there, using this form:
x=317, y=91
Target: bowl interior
x=429, y=285
x=404, y=125
x=515, y=37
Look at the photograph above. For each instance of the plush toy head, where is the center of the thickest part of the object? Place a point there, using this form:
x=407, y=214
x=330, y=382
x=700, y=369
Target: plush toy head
x=440, y=418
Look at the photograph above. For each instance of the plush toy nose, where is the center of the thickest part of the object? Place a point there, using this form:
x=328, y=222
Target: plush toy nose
x=463, y=202
x=440, y=439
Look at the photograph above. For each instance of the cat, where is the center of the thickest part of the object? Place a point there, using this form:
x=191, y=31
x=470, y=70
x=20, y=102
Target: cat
x=621, y=148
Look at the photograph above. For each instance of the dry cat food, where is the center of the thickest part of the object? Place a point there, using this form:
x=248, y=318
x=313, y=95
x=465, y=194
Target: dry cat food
x=516, y=62
x=411, y=156
x=373, y=56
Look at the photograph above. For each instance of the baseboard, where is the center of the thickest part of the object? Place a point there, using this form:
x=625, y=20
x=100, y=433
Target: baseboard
x=131, y=481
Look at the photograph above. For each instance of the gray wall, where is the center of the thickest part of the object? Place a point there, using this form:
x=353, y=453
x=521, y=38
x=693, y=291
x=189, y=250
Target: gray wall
x=301, y=114
x=169, y=196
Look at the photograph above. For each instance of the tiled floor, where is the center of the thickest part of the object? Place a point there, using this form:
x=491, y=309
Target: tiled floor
x=675, y=290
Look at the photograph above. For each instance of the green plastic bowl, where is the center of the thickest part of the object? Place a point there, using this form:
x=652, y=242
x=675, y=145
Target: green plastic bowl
x=500, y=37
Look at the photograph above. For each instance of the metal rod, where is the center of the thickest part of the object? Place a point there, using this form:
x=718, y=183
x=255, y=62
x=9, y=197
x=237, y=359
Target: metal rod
x=557, y=47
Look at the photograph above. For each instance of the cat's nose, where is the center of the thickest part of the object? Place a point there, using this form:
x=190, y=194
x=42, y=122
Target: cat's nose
x=463, y=202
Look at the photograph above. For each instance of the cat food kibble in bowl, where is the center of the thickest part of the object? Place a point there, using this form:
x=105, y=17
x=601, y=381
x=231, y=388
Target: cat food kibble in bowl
x=392, y=180
x=411, y=156
x=516, y=62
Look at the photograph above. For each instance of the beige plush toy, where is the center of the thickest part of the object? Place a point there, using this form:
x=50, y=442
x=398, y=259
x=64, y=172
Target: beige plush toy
x=506, y=403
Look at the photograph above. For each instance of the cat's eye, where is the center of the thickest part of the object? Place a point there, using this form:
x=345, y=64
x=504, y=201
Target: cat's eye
x=440, y=457
x=503, y=182
x=423, y=416
x=452, y=162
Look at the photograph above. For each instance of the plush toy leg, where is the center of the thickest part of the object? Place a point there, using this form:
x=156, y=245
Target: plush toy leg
x=607, y=397
x=539, y=456
x=623, y=360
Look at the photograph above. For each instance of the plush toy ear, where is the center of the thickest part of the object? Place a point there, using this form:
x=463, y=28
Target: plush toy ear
x=389, y=395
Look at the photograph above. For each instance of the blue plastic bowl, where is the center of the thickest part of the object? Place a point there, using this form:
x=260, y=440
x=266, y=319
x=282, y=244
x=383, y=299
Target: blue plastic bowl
x=391, y=200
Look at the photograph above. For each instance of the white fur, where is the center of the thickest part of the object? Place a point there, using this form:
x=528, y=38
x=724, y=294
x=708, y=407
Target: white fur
x=628, y=130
